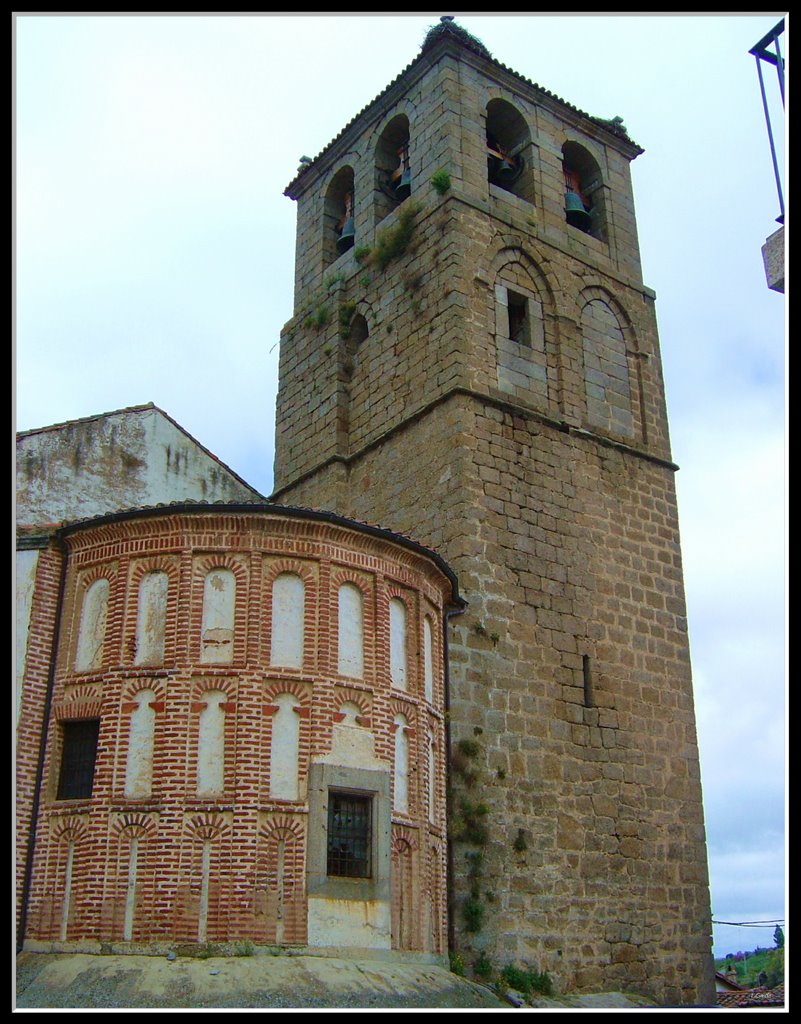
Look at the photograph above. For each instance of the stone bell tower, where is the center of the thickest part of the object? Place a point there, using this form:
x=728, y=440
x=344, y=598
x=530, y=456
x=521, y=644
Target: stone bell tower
x=473, y=361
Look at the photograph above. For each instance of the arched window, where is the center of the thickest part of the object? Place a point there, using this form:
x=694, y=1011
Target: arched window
x=211, y=745
x=339, y=232
x=510, y=154
x=522, y=353
x=350, y=661
x=400, y=791
x=219, y=596
x=139, y=764
x=428, y=658
x=393, y=174
x=397, y=643
x=606, y=372
x=288, y=608
x=92, y=631
x=285, y=749
x=150, y=619
x=585, y=206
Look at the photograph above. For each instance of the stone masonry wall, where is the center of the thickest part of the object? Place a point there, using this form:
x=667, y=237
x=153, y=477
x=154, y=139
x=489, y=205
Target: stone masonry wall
x=542, y=473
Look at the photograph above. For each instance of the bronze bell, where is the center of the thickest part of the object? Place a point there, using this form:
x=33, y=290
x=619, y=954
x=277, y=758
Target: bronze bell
x=402, y=176
x=575, y=213
x=346, y=227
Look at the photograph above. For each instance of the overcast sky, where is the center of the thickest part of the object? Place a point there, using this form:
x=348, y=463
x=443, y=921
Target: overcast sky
x=154, y=262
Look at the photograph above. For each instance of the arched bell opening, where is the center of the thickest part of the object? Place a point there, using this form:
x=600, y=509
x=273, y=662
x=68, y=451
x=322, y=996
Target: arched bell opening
x=509, y=150
x=393, y=172
x=339, y=232
x=584, y=191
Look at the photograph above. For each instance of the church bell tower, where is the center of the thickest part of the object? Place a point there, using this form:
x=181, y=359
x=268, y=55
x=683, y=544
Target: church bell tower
x=473, y=362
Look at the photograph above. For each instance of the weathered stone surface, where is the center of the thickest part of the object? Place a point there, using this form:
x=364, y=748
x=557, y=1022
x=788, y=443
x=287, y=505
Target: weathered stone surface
x=544, y=476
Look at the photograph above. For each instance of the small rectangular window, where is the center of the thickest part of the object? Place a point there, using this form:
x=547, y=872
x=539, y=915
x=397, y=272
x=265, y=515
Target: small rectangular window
x=518, y=318
x=349, y=835
x=78, y=756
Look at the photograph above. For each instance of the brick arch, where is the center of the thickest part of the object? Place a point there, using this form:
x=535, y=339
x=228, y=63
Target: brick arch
x=403, y=840
x=154, y=563
x=135, y=686
x=344, y=575
x=290, y=565
x=68, y=828
x=283, y=826
x=296, y=689
x=207, y=825
x=203, y=685
x=405, y=708
x=134, y=826
x=428, y=612
x=77, y=707
x=364, y=701
x=107, y=571
x=220, y=560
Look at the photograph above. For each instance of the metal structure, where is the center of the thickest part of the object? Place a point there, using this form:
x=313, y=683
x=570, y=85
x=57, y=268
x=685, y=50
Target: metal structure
x=762, y=52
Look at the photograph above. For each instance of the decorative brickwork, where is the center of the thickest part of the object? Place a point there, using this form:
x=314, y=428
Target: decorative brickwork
x=189, y=836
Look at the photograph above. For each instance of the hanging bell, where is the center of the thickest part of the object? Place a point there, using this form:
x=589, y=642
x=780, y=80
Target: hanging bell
x=347, y=236
x=403, y=186
x=346, y=227
x=506, y=169
x=575, y=213
x=402, y=176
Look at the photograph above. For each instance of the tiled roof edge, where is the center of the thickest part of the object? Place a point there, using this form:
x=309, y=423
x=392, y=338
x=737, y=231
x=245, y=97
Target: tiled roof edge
x=448, y=31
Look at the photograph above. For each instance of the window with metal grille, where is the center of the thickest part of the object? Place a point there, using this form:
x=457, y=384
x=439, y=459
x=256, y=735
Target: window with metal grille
x=349, y=835
x=78, y=755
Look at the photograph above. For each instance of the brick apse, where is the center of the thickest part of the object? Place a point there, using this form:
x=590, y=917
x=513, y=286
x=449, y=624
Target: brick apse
x=230, y=688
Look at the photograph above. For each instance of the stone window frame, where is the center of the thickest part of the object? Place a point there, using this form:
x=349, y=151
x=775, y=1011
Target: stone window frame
x=394, y=134
x=365, y=782
x=334, y=211
x=506, y=124
x=579, y=160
